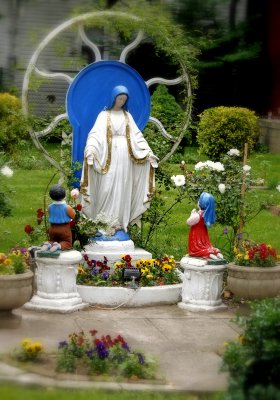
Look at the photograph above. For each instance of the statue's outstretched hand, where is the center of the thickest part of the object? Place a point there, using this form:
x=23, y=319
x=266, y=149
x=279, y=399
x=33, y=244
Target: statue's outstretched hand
x=89, y=157
x=90, y=160
x=153, y=161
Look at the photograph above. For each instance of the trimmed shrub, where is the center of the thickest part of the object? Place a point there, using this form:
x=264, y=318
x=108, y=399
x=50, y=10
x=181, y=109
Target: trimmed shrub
x=223, y=128
x=13, y=124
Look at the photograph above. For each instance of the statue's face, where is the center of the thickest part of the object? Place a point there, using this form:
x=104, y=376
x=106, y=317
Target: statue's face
x=120, y=100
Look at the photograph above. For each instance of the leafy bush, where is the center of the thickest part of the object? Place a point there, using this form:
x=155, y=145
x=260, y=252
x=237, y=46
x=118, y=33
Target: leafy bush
x=222, y=128
x=254, y=360
x=224, y=180
x=165, y=108
x=13, y=124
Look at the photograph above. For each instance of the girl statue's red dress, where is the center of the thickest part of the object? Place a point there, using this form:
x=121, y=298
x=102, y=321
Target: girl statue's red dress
x=199, y=244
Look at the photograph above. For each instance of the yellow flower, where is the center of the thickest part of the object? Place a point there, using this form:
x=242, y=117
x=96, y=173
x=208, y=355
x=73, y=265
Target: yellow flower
x=25, y=342
x=241, y=339
x=81, y=270
x=144, y=271
x=149, y=276
x=166, y=267
x=8, y=261
x=37, y=346
x=16, y=253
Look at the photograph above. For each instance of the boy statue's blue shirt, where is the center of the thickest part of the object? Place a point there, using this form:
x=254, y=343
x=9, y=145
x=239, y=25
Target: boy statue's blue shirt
x=58, y=213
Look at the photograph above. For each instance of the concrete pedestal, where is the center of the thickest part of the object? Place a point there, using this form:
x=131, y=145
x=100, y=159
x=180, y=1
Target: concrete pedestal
x=56, y=283
x=202, y=284
x=113, y=250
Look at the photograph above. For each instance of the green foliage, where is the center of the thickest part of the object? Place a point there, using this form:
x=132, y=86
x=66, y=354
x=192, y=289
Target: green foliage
x=5, y=201
x=229, y=183
x=165, y=108
x=5, y=206
x=223, y=128
x=13, y=125
x=253, y=362
x=103, y=355
x=155, y=221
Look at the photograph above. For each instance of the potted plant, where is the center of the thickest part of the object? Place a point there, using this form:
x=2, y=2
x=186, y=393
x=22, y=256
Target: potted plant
x=255, y=271
x=16, y=279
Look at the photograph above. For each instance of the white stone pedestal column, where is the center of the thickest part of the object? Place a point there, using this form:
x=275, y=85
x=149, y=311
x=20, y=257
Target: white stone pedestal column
x=202, y=284
x=56, y=284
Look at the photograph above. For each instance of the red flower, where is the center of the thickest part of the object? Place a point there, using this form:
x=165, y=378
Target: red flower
x=40, y=213
x=73, y=223
x=28, y=229
x=127, y=258
x=79, y=207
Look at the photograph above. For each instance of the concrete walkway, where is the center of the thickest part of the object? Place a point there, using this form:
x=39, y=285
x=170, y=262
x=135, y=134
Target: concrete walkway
x=188, y=345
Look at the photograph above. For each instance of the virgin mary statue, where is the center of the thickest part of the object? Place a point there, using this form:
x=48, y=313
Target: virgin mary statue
x=118, y=171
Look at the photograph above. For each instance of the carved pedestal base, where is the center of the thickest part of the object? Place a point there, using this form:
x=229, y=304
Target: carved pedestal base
x=56, y=284
x=202, y=285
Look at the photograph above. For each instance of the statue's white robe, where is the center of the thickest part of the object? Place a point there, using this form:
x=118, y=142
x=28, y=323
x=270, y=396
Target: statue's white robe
x=122, y=190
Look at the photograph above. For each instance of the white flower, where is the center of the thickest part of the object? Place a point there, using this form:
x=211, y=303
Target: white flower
x=200, y=165
x=67, y=139
x=183, y=162
x=74, y=193
x=179, y=180
x=210, y=164
x=278, y=188
x=7, y=171
x=219, y=167
x=246, y=168
x=233, y=152
x=222, y=188
x=215, y=166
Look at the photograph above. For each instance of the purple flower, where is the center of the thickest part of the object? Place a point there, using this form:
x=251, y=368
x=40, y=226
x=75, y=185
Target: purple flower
x=94, y=271
x=125, y=346
x=141, y=358
x=226, y=230
x=240, y=235
x=62, y=344
x=105, y=275
x=90, y=353
x=102, y=350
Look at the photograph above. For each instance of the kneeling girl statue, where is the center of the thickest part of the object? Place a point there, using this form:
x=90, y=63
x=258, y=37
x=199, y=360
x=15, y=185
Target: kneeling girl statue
x=199, y=244
x=118, y=171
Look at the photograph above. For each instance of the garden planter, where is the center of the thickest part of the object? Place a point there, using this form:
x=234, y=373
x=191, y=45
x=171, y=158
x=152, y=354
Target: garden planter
x=126, y=297
x=15, y=291
x=254, y=282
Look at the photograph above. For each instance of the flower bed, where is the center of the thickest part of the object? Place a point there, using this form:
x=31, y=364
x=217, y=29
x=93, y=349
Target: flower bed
x=144, y=283
x=84, y=355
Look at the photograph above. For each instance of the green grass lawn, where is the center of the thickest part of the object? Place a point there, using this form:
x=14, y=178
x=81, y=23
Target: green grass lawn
x=8, y=392
x=29, y=186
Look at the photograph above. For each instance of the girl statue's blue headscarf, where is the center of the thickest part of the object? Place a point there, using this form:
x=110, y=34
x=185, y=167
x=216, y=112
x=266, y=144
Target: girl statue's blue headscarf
x=207, y=204
x=120, y=89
